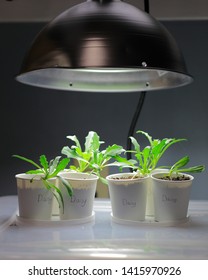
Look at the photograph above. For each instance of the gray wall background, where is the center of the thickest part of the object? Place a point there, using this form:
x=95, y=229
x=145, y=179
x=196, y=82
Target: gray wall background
x=36, y=121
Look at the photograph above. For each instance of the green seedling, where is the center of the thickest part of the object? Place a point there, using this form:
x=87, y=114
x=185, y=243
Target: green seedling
x=49, y=170
x=91, y=158
x=179, y=167
x=147, y=158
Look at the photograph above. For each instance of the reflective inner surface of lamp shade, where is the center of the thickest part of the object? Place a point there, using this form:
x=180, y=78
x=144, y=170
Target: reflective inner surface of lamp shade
x=104, y=80
x=107, y=46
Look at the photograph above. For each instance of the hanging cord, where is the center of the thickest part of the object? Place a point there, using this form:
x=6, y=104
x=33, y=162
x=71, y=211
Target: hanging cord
x=146, y=6
x=134, y=121
x=139, y=105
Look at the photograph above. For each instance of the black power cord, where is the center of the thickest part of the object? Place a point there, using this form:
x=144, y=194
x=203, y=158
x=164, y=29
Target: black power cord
x=134, y=121
x=139, y=105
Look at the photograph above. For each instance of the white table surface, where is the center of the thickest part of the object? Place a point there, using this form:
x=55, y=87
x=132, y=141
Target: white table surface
x=103, y=238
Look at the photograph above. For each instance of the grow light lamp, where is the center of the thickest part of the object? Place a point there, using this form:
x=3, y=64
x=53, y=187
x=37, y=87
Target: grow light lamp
x=104, y=46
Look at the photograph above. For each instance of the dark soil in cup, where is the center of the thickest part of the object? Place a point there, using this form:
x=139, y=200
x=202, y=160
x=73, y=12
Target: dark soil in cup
x=175, y=178
x=128, y=177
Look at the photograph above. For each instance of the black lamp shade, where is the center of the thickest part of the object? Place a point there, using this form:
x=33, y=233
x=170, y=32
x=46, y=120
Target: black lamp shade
x=104, y=46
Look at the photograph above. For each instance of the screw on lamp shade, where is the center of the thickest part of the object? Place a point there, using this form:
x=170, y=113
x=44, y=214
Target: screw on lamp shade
x=104, y=46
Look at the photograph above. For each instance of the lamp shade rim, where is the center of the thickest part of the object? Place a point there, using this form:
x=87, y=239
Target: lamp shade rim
x=105, y=79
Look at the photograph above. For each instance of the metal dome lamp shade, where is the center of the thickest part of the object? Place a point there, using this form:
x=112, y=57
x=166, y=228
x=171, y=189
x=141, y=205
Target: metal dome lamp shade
x=104, y=46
